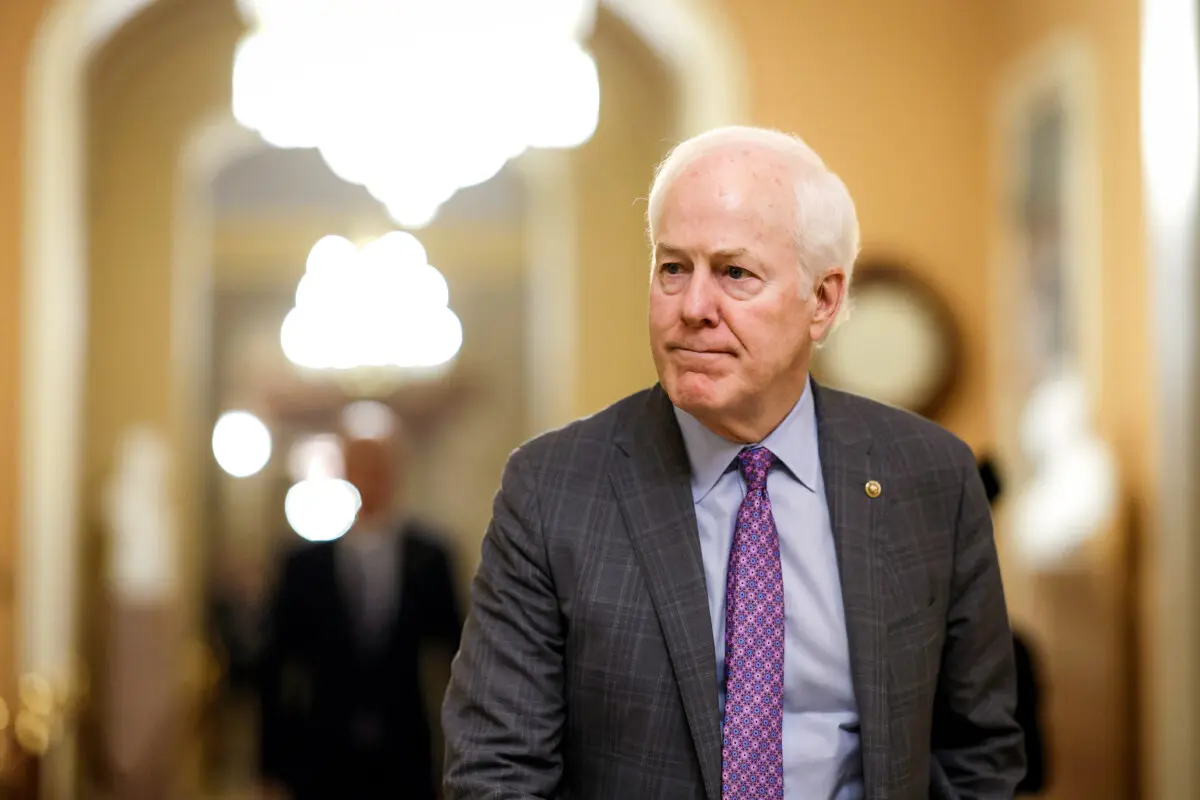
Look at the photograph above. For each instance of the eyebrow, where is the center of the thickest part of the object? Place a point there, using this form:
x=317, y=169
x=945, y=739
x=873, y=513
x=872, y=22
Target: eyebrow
x=736, y=252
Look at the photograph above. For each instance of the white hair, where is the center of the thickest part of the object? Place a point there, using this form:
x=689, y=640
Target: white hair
x=826, y=232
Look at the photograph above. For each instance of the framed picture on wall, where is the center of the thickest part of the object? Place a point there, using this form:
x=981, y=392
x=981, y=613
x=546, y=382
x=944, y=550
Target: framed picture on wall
x=1048, y=333
x=1048, y=271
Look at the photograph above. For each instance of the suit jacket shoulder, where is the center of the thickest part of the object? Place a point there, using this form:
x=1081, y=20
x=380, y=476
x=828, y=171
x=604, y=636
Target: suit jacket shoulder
x=907, y=441
x=581, y=449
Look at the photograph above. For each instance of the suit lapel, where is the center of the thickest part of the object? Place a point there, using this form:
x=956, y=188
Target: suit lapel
x=845, y=447
x=652, y=479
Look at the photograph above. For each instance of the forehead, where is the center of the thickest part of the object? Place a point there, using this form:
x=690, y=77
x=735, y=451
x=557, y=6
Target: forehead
x=738, y=196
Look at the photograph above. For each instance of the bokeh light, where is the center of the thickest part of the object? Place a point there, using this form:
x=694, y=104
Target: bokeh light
x=378, y=307
x=241, y=443
x=416, y=100
x=321, y=509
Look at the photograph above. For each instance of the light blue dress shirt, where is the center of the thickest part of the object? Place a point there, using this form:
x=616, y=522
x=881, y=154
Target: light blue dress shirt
x=821, y=752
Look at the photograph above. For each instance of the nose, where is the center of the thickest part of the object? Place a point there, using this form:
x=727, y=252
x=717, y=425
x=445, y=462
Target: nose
x=700, y=307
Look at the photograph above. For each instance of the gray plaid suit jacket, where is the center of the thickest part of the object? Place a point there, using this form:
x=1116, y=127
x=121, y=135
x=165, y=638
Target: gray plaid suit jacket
x=587, y=666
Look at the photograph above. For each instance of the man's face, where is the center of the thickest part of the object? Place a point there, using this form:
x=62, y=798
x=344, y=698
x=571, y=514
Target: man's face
x=371, y=468
x=731, y=324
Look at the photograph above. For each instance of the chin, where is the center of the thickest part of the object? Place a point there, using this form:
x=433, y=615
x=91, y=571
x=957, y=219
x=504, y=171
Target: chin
x=696, y=392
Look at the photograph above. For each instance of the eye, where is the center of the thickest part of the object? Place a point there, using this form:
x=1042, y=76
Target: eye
x=672, y=268
x=738, y=273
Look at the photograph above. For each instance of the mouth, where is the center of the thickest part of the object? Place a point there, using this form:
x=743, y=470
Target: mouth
x=698, y=351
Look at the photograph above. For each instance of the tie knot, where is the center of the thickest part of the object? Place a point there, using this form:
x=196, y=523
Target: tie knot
x=755, y=462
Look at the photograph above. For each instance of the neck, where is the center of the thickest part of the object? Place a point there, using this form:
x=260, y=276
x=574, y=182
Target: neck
x=746, y=430
x=371, y=519
x=759, y=418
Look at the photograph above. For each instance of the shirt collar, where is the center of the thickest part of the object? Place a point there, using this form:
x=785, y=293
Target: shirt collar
x=378, y=536
x=794, y=443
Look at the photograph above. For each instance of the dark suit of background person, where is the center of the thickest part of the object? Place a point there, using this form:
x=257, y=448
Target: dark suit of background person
x=344, y=708
x=1028, y=679
x=593, y=663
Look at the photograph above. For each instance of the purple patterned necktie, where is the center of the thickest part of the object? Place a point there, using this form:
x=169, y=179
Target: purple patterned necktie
x=752, y=755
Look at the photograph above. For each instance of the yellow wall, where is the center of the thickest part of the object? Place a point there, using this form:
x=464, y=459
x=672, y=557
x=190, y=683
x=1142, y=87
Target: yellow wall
x=892, y=97
x=612, y=174
x=18, y=22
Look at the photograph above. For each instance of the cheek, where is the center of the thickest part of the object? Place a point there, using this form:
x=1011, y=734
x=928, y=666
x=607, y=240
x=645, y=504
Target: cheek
x=661, y=315
x=771, y=340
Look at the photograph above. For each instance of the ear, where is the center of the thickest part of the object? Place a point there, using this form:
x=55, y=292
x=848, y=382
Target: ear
x=829, y=294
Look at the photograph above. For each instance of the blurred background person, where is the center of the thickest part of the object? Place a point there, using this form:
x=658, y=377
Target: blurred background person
x=235, y=632
x=343, y=706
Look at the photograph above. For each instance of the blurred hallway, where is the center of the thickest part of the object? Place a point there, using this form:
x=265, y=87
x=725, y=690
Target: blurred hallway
x=1025, y=175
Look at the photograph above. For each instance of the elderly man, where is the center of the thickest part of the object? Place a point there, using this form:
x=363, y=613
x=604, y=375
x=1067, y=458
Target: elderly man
x=739, y=584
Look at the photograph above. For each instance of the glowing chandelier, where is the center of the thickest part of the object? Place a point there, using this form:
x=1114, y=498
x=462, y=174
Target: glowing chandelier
x=416, y=99
x=372, y=317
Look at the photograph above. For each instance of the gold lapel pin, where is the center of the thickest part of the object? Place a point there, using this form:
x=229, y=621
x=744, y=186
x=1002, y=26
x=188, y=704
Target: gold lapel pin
x=873, y=489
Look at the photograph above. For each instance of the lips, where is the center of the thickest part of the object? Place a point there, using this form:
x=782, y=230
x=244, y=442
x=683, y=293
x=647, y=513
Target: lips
x=697, y=352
